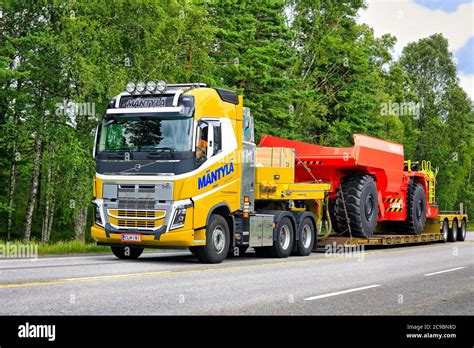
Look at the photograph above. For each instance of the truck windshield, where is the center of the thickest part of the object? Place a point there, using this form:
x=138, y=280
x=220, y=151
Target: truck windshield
x=146, y=134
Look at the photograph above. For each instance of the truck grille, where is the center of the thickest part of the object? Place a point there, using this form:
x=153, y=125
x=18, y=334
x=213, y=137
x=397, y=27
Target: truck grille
x=123, y=218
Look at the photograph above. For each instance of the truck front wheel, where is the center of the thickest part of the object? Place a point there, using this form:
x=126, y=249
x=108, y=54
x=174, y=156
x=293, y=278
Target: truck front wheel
x=217, y=241
x=127, y=253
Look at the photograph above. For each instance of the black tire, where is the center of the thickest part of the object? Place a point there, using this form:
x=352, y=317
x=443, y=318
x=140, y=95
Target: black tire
x=361, y=199
x=445, y=231
x=416, y=210
x=237, y=251
x=261, y=251
x=127, y=252
x=193, y=250
x=462, y=231
x=453, y=232
x=284, y=236
x=304, y=246
x=217, y=241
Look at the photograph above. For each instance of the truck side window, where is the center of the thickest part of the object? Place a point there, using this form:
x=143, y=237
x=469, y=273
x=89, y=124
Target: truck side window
x=201, y=141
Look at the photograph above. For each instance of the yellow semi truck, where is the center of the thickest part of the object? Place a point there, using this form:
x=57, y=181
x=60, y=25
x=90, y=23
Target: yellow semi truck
x=177, y=166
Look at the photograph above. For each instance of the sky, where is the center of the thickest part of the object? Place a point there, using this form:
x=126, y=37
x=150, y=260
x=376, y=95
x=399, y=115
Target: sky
x=411, y=20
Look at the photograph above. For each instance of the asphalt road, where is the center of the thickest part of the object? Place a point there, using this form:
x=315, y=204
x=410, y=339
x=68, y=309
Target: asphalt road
x=435, y=279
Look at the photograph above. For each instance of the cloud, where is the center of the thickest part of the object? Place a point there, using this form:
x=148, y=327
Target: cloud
x=467, y=83
x=443, y=5
x=411, y=20
x=465, y=57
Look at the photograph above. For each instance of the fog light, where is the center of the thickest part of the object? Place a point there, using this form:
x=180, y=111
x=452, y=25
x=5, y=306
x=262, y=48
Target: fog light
x=161, y=86
x=150, y=86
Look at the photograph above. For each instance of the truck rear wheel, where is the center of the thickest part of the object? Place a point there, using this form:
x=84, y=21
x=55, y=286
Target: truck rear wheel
x=217, y=241
x=462, y=231
x=127, y=252
x=283, y=244
x=361, y=203
x=453, y=232
x=416, y=210
x=307, y=237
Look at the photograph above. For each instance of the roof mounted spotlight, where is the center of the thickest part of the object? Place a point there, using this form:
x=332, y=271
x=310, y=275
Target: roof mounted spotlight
x=130, y=87
x=150, y=86
x=140, y=87
x=161, y=86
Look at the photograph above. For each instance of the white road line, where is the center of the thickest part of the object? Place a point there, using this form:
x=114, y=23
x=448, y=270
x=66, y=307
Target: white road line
x=341, y=292
x=446, y=270
x=115, y=276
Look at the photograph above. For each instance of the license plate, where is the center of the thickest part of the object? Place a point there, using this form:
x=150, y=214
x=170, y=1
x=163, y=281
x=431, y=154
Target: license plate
x=131, y=237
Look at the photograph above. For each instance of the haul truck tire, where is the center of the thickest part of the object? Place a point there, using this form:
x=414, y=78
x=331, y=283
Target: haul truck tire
x=416, y=210
x=361, y=203
x=217, y=241
x=283, y=243
x=453, y=232
x=462, y=231
x=445, y=231
x=127, y=252
x=307, y=237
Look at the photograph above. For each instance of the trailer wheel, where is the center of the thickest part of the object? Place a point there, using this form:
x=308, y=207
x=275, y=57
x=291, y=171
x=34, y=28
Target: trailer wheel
x=217, y=241
x=127, y=252
x=361, y=201
x=445, y=231
x=462, y=231
x=283, y=244
x=307, y=237
x=416, y=209
x=453, y=232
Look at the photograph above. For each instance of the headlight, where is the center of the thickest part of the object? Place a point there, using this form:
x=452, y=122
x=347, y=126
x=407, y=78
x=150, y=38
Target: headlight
x=98, y=217
x=130, y=87
x=179, y=218
x=141, y=87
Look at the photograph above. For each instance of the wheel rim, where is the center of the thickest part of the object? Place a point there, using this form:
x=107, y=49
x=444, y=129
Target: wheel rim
x=218, y=239
x=369, y=207
x=306, y=236
x=445, y=231
x=463, y=230
x=285, y=237
x=455, y=230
